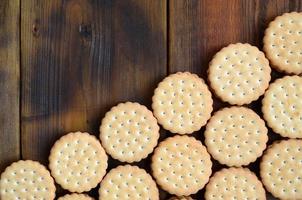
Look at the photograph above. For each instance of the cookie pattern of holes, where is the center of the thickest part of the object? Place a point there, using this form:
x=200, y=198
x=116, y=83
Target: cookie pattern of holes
x=181, y=198
x=75, y=197
x=243, y=77
x=128, y=182
x=234, y=183
x=27, y=180
x=129, y=132
x=182, y=103
x=282, y=106
x=181, y=165
x=78, y=162
x=280, y=169
x=236, y=136
x=282, y=43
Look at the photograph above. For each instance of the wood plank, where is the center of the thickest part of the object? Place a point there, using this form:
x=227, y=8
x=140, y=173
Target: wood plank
x=198, y=29
x=82, y=57
x=9, y=82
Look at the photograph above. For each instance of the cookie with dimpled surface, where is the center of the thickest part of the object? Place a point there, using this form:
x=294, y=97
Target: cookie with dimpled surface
x=282, y=106
x=128, y=182
x=282, y=43
x=78, y=162
x=236, y=136
x=234, y=183
x=280, y=169
x=129, y=132
x=181, y=165
x=26, y=180
x=239, y=74
x=182, y=103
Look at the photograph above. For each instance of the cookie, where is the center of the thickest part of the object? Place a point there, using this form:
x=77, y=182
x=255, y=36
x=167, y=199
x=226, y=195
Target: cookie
x=234, y=183
x=239, y=74
x=128, y=182
x=78, y=162
x=26, y=180
x=236, y=136
x=129, y=132
x=280, y=169
x=282, y=43
x=181, y=165
x=181, y=198
x=282, y=106
x=76, y=197
x=182, y=103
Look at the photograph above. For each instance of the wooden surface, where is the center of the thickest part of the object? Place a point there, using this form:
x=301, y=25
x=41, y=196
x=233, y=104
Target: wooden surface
x=78, y=58
x=9, y=82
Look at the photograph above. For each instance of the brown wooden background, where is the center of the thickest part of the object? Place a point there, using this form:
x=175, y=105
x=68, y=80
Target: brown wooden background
x=64, y=63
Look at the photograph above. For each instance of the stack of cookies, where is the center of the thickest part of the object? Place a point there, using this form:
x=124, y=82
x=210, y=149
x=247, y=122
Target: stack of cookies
x=181, y=164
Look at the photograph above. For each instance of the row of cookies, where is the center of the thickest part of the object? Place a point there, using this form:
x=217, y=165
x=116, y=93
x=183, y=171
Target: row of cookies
x=181, y=165
x=280, y=166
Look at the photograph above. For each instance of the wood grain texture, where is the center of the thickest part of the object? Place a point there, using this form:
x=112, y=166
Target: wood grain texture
x=198, y=29
x=80, y=58
x=9, y=82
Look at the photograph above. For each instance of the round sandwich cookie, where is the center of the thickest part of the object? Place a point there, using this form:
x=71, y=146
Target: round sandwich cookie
x=129, y=132
x=182, y=103
x=239, y=73
x=234, y=183
x=128, y=182
x=280, y=169
x=236, y=136
x=26, y=180
x=282, y=43
x=76, y=197
x=78, y=162
x=282, y=106
x=181, y=165
x=181, y=198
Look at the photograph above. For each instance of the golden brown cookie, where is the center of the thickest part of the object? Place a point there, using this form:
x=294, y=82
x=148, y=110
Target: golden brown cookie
x=129, y=132
x=181, y=165
x=280, y=169
x=236, y=136
x=282, y=106
x=78, y=162
x=234, y=183
x=128, y=182
x=239, y=73
x=26, y=180
x=282, y=43
x=182, y=103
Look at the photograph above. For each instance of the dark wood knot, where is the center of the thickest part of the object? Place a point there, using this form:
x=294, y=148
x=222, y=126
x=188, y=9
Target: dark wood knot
x=85, y=30
x=36, y=29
